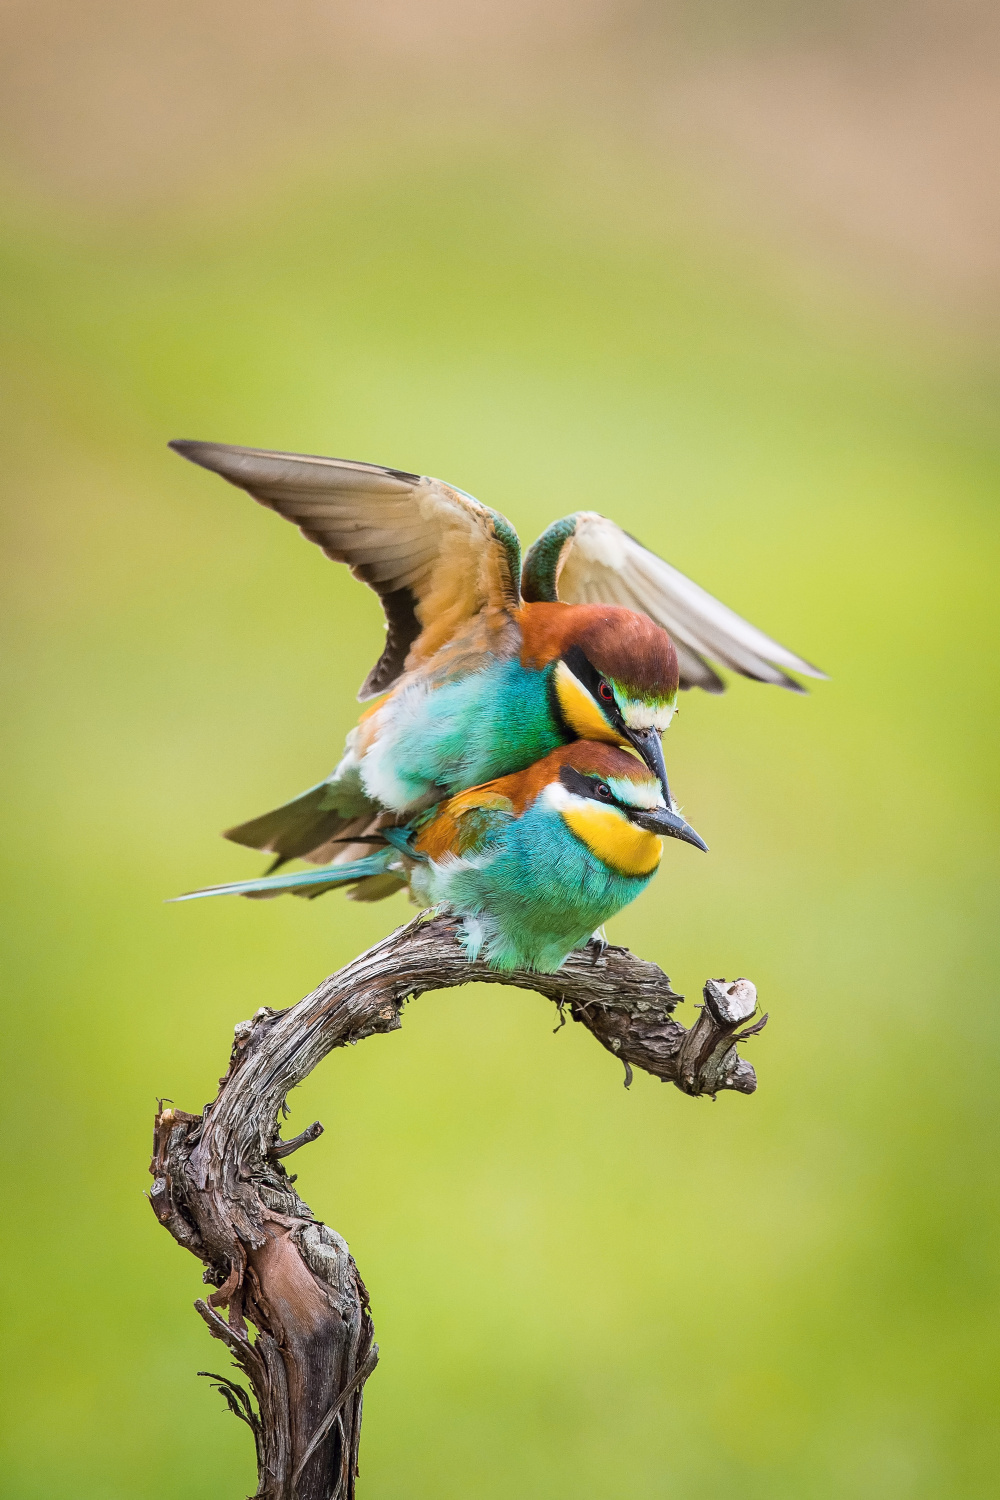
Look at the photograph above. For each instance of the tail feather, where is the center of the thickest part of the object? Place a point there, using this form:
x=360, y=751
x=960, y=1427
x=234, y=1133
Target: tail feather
x=301, y=828
x=348, y=842
x=302, y=882
x=373, y=888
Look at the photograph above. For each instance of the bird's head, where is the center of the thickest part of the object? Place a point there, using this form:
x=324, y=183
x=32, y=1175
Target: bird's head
x=616, y=681
x=615, y=805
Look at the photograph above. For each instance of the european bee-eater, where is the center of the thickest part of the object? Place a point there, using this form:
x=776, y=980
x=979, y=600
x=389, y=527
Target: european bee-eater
x=532, y=863
x=488, y=667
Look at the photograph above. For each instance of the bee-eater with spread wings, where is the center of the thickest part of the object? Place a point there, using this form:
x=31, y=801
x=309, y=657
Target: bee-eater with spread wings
x=531, y=863
x=488, y=667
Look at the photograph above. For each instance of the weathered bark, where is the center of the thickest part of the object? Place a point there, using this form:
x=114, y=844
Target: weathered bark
x=221, y=1190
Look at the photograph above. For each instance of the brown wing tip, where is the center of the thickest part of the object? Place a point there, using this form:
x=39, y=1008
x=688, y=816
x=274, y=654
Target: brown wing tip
x=808, y=670
x=197, y=451
x=711, y=682
x=785, y=680
x=215, y=455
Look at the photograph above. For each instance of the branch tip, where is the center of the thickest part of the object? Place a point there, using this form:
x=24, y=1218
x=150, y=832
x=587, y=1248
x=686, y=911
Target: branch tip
x=285, y=1148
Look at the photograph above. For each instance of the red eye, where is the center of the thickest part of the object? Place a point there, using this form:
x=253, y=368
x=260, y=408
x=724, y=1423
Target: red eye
x=604, y=791
x=604, y=691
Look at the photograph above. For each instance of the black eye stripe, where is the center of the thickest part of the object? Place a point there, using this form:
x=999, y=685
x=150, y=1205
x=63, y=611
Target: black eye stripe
x=587, y=786
x=583, y=670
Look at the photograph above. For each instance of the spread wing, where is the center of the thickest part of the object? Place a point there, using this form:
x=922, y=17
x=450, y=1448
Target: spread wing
x=434, y=555
x=587, y=559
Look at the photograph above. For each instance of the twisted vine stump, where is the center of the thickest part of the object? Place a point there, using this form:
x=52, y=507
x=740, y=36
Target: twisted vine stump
x=220, y=1188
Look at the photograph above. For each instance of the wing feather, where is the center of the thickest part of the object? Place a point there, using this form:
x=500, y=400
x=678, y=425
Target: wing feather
x=587, y=559
x=436, y=557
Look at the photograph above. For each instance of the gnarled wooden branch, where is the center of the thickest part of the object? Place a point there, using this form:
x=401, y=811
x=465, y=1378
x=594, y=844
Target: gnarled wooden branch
x=221, y=1190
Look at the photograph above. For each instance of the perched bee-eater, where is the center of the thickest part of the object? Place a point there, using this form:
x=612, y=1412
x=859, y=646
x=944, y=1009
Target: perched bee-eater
x=488, y=667
x=532, y=863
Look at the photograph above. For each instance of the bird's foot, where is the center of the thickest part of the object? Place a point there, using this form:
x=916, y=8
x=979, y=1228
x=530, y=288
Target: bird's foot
x=599, y=944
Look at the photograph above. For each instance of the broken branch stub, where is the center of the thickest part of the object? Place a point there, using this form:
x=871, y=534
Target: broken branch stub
x=220, y=1188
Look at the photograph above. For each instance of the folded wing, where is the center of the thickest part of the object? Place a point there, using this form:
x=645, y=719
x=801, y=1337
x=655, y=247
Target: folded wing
x=435, y=556
x=587, y=559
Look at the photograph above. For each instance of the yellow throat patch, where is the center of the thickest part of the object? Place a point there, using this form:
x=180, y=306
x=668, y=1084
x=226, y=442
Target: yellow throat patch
x=580, y=711
x=615, y=841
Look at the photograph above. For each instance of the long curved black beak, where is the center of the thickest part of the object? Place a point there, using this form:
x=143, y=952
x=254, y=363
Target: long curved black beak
x=650, y=747
x=669, y=825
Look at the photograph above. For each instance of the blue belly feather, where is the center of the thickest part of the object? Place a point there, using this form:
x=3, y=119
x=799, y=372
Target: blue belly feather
x=490, y=723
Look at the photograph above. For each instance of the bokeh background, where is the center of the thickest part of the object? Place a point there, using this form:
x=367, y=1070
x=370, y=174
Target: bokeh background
x=732, y=275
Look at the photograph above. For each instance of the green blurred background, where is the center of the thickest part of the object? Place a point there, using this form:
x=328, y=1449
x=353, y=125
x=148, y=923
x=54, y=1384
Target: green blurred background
x=733, y=282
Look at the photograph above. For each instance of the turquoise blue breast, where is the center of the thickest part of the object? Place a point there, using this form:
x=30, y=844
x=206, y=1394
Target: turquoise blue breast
x=491, y=723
